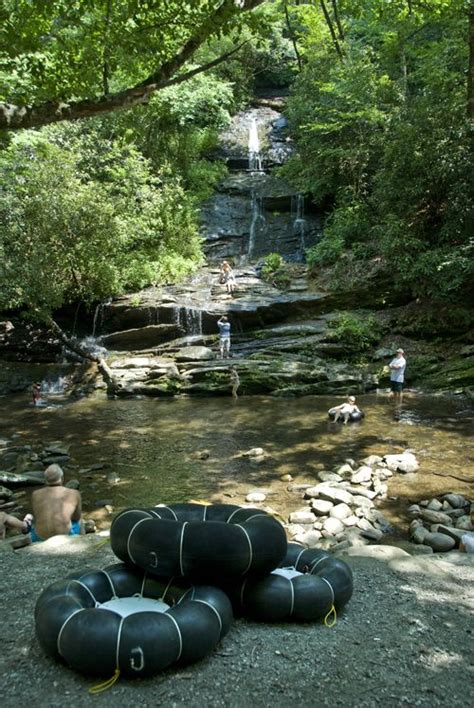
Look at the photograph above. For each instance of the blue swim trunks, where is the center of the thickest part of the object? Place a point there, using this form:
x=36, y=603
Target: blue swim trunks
x=75, y=531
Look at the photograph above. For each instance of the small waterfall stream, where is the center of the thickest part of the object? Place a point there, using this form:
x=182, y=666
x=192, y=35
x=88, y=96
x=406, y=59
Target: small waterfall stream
x=98, y=321
x=189, y=318
x=255, y=158
x=258, y=223
x=299, y=223
x=193, y=321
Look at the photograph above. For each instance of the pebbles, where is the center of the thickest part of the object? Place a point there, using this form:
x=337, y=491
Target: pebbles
x=441, y=530
x=341, y=507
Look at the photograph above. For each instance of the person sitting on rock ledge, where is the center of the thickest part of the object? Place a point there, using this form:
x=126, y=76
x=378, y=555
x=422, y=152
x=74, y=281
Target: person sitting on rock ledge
x=344, y=410
x=226, y=276
x=56, y=509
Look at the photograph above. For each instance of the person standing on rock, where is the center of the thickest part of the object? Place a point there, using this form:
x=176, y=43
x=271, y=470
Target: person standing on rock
x=224, y=336
x=56, y=508
x=397, y=375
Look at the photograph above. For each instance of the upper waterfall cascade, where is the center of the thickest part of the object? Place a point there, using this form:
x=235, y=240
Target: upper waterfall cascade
x=255, y=159
x=254, y=211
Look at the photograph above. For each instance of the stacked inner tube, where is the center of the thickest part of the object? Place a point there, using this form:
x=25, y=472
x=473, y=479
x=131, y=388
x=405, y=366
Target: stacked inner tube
x=160, y=605
x=210, y=543
x=122, y=620
x=308, y=584
x=353, y=417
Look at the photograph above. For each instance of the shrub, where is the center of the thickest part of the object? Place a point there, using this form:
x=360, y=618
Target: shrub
x=358, y=331
x=326, y=252
x=275, y=271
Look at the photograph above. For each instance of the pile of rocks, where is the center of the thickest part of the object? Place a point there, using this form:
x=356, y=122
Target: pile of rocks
x=441, y=522
x=340, y=511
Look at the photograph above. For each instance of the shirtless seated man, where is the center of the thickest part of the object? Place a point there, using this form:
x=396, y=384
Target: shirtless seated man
x=56, y=509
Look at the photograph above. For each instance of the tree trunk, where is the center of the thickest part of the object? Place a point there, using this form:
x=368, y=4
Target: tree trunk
x=327, y=17
x=292, y=37
x=75, y=347
x=470, y=71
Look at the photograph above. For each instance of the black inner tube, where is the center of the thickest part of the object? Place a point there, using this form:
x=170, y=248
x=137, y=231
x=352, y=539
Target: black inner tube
x=74, y=624
x=205, y=543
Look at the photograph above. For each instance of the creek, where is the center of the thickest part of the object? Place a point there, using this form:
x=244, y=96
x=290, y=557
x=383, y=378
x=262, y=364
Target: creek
x=152, y=445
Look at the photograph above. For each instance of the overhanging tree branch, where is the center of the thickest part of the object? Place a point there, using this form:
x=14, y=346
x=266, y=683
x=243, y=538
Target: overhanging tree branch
x=17, y=117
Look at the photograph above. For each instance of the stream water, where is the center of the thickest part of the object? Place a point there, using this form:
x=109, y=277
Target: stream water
x=152, y=444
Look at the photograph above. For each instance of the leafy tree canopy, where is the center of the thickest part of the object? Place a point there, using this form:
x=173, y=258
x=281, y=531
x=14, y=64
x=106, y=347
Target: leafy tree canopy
x=381, y=116
x=62, y=59
x=83, y=218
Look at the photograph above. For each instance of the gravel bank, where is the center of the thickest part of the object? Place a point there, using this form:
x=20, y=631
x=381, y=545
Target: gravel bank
x=405, y=638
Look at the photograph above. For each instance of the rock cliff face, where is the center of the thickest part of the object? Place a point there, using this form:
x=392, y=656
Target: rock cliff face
x=253, y=211
x=280, y=339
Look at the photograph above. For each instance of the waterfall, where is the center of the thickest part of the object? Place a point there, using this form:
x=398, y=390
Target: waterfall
x=255, y=160
x=153, y=315
x=51, y=386
x=299, y=223
x=258, y=223
x=190, y=319
x=92, y=345
x=98, y=311
x=193, y=321
x=98, y=320
x=177, y=316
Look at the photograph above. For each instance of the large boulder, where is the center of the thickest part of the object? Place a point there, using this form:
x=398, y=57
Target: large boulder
x=404, y=462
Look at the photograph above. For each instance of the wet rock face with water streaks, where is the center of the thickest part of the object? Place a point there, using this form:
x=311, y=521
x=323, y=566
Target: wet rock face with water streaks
x=254, y=212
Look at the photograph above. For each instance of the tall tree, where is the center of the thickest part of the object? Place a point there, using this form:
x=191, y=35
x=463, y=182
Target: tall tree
x=69, y=59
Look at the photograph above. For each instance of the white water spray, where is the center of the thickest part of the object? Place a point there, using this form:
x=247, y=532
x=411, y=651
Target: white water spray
x=255, y=160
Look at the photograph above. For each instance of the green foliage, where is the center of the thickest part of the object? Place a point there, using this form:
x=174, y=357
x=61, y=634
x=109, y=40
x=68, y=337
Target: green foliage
x=84, y=223
x=179, y=127
x=383, y=138
x=359, y=332
x=59, y=49
x=326, y=251
x=273, y=262
x=276, y=271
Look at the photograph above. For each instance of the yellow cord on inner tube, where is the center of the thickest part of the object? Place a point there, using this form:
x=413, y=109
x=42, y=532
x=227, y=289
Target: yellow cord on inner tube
x=106, y=684
x=332, y=611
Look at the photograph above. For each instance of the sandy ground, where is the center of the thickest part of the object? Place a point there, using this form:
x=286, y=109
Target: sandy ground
x=405, y=639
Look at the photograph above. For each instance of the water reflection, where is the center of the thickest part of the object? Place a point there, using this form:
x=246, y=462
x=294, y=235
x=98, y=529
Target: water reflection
x=151, y=444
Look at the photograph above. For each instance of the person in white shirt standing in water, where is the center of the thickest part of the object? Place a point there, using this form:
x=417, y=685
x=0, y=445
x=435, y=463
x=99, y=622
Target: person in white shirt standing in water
x=397, y=375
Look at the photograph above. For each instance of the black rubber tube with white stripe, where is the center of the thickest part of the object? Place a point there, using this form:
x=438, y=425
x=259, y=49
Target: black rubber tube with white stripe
x=307, y=585
x=205, y=543
x=355, y=417
x=81, y=621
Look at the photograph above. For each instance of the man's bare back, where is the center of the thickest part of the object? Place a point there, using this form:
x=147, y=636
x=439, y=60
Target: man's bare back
x=54, y=508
